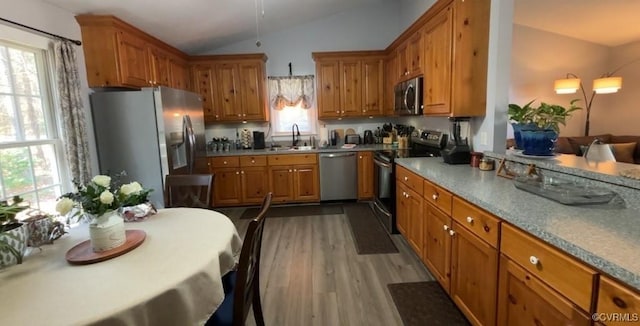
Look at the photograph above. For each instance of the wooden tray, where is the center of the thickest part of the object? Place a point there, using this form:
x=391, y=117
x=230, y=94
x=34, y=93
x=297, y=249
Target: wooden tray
x=82, y=254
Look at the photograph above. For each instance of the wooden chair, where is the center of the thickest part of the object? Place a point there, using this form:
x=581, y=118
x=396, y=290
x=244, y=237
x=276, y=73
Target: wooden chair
x=188, y=190
x=242, y=287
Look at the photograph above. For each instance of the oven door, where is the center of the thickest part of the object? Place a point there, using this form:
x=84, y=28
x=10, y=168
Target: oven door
x=384, y=191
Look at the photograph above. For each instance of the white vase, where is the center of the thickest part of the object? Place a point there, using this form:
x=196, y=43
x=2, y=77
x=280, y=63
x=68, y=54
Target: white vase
x=107, y=232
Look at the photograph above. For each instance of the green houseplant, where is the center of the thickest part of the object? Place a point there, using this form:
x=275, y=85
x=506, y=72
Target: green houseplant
x=541, y=132
x=520, y=117
x=13, y=235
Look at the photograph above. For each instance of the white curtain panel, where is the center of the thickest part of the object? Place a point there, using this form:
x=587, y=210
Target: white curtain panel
x=291, y=91
x=72, y=112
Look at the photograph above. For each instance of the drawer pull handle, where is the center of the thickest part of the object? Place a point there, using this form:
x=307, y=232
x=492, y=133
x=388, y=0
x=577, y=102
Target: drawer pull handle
x=435, y=196
x=253, y=161
x=225, y=162
x=470, y=219
x=452, y=232
x=534, y=260
x=405, y=178
x=446, y=227
x=619, y=302
x=241, y=172
x=237, y=172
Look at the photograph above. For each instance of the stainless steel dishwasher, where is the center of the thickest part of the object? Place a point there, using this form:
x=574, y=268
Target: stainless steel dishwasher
x=338, y=176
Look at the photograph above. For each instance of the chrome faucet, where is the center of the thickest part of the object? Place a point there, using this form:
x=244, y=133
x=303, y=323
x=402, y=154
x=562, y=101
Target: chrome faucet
x=296, y=136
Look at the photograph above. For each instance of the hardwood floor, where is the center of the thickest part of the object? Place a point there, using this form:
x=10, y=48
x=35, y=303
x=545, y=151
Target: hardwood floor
x=311, y=273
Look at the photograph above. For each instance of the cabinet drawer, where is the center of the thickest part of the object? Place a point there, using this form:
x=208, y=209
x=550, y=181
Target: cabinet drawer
x=481, y=223
x=225, y=162
x=567, y=276
x=260, y=160
x=438, y=196
x=291, y=159
x=409, y=178
x=614, y=298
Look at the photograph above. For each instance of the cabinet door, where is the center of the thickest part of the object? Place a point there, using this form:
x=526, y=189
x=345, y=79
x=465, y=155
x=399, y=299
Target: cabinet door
x=416, y=221
x=525, y=300
x=437, y=83
x=415, y=53
x=281, y=183
x=402, y=219
x=391, y=78
x=469, y=72
x=226, y=187
x=437, y=246
x=251, y=92
x=159, y=67
x=179, y=74
x=474, y=276
x=328, y=86
x=133, y=57
x=255, y=184
x=227, y=88
x=403, y=61
x=203, y=81
x=614, y=298
x=306, y=183
x=365, y=175
x=373, y=87
x=351, y=91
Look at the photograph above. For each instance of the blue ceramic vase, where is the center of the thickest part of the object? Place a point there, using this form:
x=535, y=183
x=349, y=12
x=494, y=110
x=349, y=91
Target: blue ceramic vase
x=517, y=132
x=539, y=142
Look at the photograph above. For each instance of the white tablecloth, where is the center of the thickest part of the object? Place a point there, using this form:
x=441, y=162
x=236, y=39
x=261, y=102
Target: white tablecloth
x=173, y=278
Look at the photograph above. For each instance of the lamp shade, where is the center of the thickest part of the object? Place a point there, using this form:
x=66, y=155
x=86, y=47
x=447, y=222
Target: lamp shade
x=607, y=85
x=567, y=86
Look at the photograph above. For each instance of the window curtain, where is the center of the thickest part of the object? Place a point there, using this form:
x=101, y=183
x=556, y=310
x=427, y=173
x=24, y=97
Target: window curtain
x=291, y=91
x=72, y=112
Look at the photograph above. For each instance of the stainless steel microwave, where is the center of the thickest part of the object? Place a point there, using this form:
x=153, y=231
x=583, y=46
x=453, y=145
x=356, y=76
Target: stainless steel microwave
x=408, y=97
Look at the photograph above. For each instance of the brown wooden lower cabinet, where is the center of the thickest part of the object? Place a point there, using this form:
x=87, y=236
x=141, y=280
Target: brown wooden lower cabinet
x=255, y=184
x=525, y=300
x=474, y=276
x=437, y=244
x=245, y=180
x=402, y=217
x=617, y=305
x=365, y=175
x=409, y=216
x=227, y=186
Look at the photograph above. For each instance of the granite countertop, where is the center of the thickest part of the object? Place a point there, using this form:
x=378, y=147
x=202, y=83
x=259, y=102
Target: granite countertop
x=607, y=239
x=577, y=166
x=267, y=151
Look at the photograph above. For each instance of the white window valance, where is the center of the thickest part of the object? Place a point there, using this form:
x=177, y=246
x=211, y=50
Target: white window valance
x=291, y=91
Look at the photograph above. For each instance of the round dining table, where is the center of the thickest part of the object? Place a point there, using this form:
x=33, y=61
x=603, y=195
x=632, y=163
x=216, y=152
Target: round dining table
x=173, y=278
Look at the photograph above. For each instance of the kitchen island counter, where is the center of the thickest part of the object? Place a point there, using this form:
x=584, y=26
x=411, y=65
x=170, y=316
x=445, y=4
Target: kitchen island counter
x=607, y=239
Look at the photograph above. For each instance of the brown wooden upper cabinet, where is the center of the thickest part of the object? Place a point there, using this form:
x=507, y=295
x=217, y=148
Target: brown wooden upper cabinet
x=232, y=87
x=410, y=55
x=349, y=84
x=119, y=55
x=456, y=54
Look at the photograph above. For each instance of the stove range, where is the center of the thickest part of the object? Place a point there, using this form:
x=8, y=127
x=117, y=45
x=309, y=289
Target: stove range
x=429, y=144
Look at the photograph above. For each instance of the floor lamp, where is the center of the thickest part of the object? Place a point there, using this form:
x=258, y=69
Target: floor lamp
x=604, y=85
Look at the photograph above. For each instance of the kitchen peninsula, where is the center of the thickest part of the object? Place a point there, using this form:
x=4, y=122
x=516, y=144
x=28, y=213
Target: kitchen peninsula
x=568, y=261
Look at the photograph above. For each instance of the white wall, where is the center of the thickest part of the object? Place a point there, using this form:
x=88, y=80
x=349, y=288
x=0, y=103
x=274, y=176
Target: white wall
x=619, y=113
x=411, y=10
x=539, y=58
x=371, y=27
x=52, y=19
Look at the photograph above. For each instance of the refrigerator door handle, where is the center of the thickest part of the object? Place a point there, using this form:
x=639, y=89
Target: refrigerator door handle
x=190, y=140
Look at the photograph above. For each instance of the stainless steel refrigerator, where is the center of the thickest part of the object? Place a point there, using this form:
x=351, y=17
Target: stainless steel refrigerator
x=148, y=133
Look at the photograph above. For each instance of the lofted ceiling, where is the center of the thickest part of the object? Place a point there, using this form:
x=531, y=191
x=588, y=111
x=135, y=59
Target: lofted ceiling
x=610, y=22
x=199, y=25
x=195, y=26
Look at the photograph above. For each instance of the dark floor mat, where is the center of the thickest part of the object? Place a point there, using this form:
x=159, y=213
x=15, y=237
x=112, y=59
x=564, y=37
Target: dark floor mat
x=425, y=303
x=290, y=211
x=369, y=234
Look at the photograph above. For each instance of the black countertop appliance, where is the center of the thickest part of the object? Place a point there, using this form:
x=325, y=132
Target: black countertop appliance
x=457, y=150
